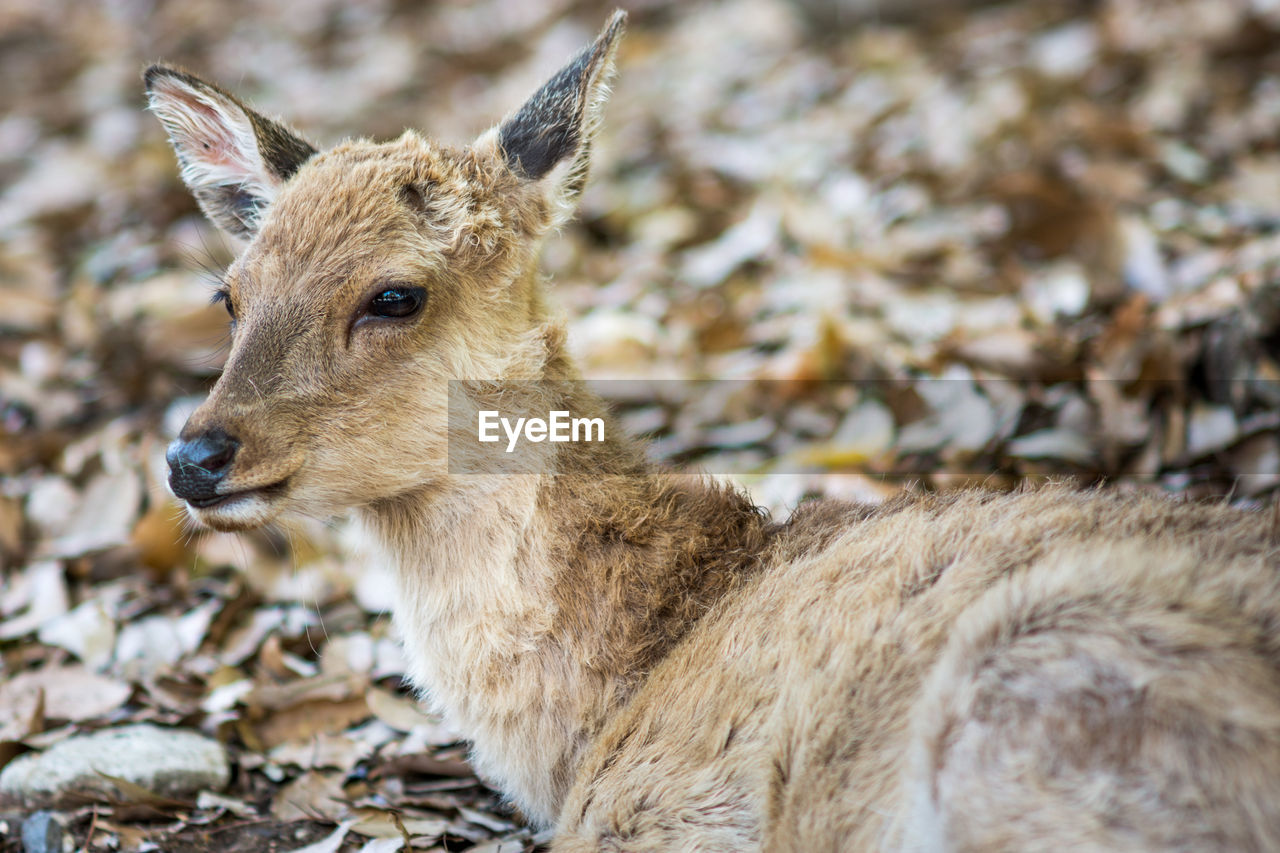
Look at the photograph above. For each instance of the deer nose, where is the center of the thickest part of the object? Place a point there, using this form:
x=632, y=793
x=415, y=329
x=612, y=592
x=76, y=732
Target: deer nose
x=198, y=465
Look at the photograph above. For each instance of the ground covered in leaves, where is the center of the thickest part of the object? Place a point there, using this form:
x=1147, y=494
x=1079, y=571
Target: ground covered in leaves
x=1041, y=236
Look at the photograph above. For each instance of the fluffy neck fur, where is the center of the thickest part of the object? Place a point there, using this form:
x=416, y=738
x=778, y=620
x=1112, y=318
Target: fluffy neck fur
x=531, y=605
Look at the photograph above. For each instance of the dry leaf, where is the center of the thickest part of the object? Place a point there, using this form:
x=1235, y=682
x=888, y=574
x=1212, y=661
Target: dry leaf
x=239, y=808
x=382, y=845
x=376, y=823
x=330, y=843
x=107, y=514
x=830, y=200
x=332, y=751
x=396, y=711
x=160, y=537
x=314, y=795
x=69, y=693
x=334, y=688
x=88, y=632
x=42, y=591
x=306, y=720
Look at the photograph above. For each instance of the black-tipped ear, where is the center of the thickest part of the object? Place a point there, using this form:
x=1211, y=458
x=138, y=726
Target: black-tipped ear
x=233, y=159
x=550, y=136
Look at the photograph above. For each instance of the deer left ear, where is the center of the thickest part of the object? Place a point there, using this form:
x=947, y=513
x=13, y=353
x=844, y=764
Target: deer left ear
x=233, y=159
x=548, y=140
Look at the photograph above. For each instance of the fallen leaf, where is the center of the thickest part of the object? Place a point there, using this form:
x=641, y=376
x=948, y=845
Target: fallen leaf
x=160, y=537
x=382, y=845
x=396, y=711
x=330, y=843
x=314, y=795
x=335, y=688
x=330, y=751
x=377, y=823
x=106, y=517
x=42, y=590
x=88, y=632
x=70, y=693
x=211, y=800
x=304, y=721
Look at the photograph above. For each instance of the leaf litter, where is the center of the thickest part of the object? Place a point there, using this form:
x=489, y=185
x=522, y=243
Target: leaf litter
x=932, y=243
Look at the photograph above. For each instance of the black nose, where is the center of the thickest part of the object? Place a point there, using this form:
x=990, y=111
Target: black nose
x=198, y=465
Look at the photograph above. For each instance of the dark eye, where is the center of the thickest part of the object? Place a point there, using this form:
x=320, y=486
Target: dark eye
x=397, y=302
x=225, y=298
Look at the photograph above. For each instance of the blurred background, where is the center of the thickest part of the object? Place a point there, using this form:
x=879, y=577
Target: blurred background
x=933, y=243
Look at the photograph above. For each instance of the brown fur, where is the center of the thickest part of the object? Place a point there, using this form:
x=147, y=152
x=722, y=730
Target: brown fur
x=642, y=659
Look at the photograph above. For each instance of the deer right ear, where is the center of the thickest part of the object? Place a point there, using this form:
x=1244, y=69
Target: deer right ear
x=233, y=159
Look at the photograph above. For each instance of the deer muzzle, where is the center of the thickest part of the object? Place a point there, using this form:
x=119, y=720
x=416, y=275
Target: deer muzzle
x=198, y=466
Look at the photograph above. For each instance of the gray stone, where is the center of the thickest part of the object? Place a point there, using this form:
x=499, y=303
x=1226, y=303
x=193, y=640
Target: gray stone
x=170, y=762
x=42, y=833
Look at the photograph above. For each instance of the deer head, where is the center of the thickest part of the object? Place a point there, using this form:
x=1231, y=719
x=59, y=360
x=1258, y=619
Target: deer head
x=372, y=275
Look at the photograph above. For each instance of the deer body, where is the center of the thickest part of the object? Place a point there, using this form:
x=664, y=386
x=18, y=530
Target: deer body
x=643, y=660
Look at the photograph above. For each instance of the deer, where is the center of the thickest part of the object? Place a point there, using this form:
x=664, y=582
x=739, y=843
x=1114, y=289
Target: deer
x=641, y=659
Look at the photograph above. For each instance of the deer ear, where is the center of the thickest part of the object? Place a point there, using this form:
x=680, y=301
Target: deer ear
x=548, y=140
x=233, y=159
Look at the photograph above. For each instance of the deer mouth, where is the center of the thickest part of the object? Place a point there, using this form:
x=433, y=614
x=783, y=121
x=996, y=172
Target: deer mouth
x=271, y=490
x=240, y=510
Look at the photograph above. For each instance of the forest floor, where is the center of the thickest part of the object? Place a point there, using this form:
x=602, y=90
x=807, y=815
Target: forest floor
x=969, y=243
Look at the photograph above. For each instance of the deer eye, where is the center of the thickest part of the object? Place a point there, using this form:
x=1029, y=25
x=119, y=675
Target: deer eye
x=225, y=298
x=397, y=302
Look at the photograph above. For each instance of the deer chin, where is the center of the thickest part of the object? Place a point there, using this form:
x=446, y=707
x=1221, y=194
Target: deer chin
x=241, y=510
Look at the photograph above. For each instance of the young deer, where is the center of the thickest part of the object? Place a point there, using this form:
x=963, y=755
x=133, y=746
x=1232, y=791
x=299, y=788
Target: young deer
x=642, y=660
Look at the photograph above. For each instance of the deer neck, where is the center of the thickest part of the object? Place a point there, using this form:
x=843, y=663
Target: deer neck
x=531, y=604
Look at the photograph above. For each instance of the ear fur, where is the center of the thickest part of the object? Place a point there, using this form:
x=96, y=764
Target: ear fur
x=233, y=159
x=548, y=139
